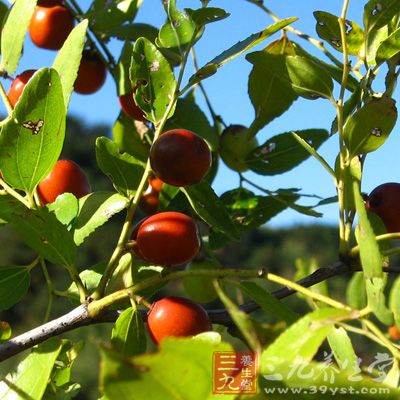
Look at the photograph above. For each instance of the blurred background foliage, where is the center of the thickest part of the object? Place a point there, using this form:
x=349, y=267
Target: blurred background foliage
x=278, y=250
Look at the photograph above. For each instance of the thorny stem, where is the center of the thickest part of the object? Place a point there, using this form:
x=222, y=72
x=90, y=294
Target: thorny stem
x=124, y=235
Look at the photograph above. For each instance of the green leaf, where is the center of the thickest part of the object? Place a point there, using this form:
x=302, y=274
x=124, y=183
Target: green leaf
x=33, y=373
x=328, y=29
x=189, y=115
x=283, y=152
x=302, y=340
x=14, y=283
x=378, y=13
x=133, y=32
x=309, y=79
x=122, y=78
x=142, y=272
x=249, y=210
x=269, y=303
x=206, y=15
x=68, y=59
x=238, y=49
x=388, y=48
x=181, y=369
x=128, y=334
x=65, y=208
x=41, y=230
x=177, y=33
x=31, y=141
x=151, y=73
x=124, y=170
x=128, y=136
x=13, y=34
x=377, y=300
x=343, y=351
x=368, y=128
x=105, y=15
x=210, y=208
x=94, y=211
x=90, y=278
x=265, y=82
x=356, y=294
x=394, y=301
x=373, y=41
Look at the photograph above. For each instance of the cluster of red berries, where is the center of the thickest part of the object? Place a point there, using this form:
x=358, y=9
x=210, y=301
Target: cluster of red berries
x=50, y=26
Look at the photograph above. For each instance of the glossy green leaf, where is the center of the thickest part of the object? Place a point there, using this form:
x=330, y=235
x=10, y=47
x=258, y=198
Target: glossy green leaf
x=134, y=31
x=328, y=29
x=210, y=208
x=44, y=233
x=283, y=152
x=378, y=13
x=124, y=170
x=389, y=47
x=94, y=211
x=33, y=373
x=377, y=300
x=180, y=363
x=5, y=331
x=309, y=79
x=265, y=81
x=68, y=59
x=368, y=128
x=65, y=208
x=249, y=210
x=129, y=137
x=141, y=272
x=394, y=301
x=302, y=339
x=13, y=34
x=356, y=294
x=90, y=278
x=340, y=343
x=128, y=334
x=14, y=283
x=373, y=42
x=189, y=115
x=393, y=376
x=269, y=303
x=336, y=73
x=206, y=15
x=105, y=15
x=151, y=73
x=31, y=141
x=3, y=13
x=177, y=33
x=238, y=49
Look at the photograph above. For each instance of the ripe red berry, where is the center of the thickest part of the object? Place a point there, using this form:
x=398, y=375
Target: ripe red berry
x=50, y=25
x=384, y=201
x=130, y=108
x=394, y=333
x=177, y=317
x=91, y=74
x=150, y=199
x=167, y=238
x=65, y=177
x=18, y=84
x=180, y=157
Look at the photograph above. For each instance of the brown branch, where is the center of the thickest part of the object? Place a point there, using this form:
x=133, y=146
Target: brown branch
x=79, y=316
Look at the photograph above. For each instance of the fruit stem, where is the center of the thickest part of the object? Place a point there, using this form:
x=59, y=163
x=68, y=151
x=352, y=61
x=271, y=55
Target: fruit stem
x=6, y=99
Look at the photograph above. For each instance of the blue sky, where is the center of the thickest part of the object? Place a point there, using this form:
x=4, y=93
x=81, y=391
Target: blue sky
x=228, y=93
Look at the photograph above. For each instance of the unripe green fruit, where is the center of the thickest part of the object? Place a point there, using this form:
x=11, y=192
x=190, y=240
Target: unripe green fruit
x=200, y=289
x=235, y=145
